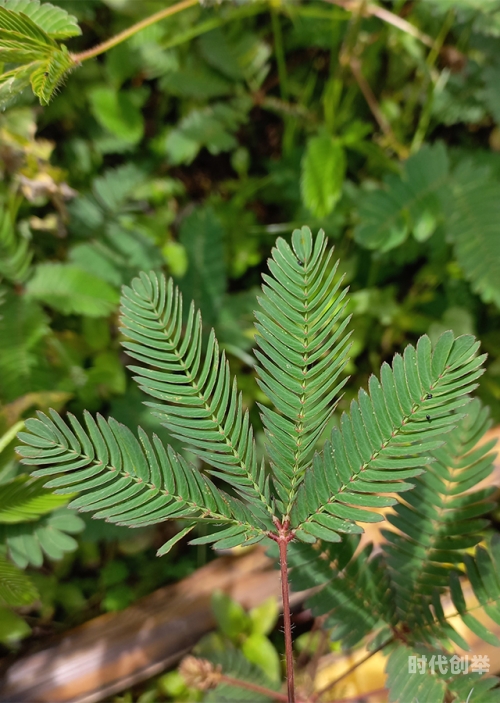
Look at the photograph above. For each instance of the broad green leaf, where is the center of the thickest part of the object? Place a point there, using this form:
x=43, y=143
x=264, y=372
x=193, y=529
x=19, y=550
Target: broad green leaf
x=176, y=257
x=165, y=549
x=424, y=226
x=264, y=616
x=117, y=113
x=212, y=127
x=220, y=53
x=10, y=435
x=28, y=542
x=231, y=618
x=15, y=251
x=323, y=171
x=195, y=80
x=13, y=627
x=69, y=289
x=260, y=651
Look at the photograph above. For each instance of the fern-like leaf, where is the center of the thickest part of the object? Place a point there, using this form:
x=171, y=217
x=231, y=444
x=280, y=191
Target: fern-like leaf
x=16, y=589
x=50, y=535
x=124, y=481
x=354, y=589
x=472, y=226
x=483, y=571
x=424, y=674
x=465, y=201
x=54, y=21
x=204, y=282
x=25, y=500
x=301, y=328
x=200, y=405
x=15, y=254
x=389, y=214
x=388, y=436
x=49, y=73
x=23, y=325
x=475, y=687
x=440, y=518
x=28, y=34
x=404, y=684
x=233, y=663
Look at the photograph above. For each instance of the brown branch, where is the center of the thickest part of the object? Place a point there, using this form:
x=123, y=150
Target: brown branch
x=385, y=16
x=340, y=678
x=370, y=98
x=254, y=687
x=130, y=31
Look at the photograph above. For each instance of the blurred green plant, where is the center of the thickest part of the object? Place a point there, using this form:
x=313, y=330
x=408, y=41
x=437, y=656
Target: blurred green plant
x=236, y=122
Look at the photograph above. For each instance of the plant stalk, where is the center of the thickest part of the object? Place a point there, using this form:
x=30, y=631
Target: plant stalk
x=130, y=31
x=349, y=671
x=283, y=540
x=232, y=681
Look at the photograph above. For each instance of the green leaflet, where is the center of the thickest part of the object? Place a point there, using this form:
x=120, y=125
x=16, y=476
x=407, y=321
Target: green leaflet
x=212, y=127
x=390, y=433
x=323, y=172
x=388, y=215
x=51, y=536
x=117, y=113
x=464, y=201
x=472, y=226
x=301, y=334
x=200, y=404
x=426, y=687
x=119, y=478
x=440, y=518
x=48, y=74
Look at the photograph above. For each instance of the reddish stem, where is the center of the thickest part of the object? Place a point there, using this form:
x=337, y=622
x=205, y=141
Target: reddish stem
x=283, y=537
x=230, y=680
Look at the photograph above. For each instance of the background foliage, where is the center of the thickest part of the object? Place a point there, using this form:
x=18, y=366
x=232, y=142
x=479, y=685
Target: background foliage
x=188, y=149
